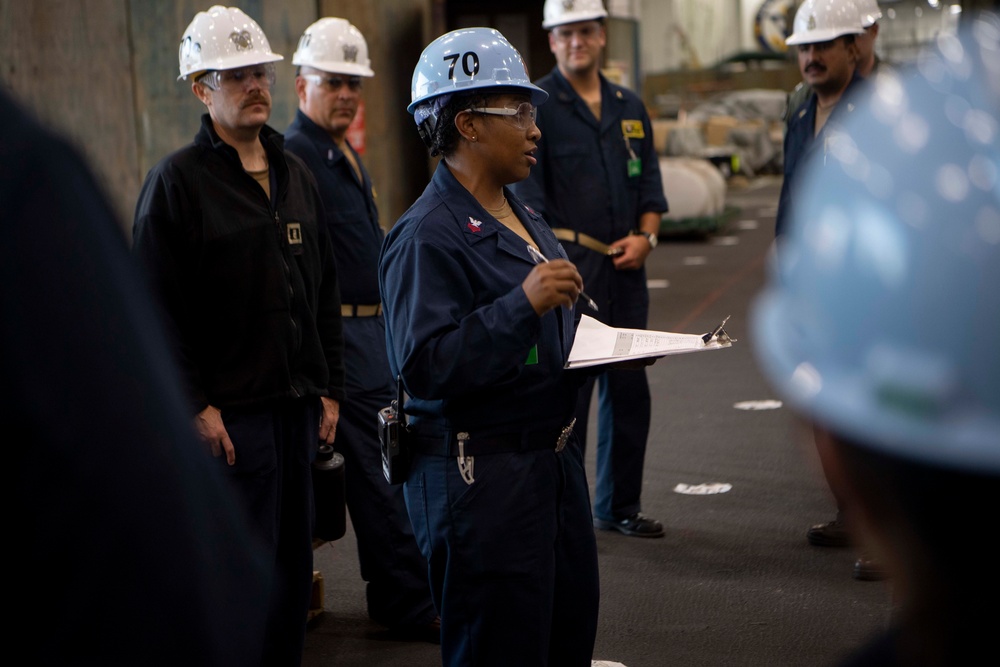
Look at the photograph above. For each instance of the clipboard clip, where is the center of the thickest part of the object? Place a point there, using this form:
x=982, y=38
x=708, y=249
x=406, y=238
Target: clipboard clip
x=718, y=334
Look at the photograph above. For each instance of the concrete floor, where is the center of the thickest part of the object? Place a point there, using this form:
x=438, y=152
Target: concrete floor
x=734, y=581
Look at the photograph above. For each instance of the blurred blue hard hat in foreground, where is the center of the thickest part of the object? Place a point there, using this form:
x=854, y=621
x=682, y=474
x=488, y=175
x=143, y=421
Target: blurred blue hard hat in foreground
x=881, y=320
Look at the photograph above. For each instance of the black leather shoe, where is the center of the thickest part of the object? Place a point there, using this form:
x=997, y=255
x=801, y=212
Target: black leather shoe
x=829, y=534
x=636, y=525
x=869, y=569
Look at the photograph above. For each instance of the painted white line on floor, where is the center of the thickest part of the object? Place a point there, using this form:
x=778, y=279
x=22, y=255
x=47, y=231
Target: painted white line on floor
x=605, y=663
x=746, y=225
x=657, y=283
x=706, y=489
x=694, y=261
x=768, y=404
x=725, y=240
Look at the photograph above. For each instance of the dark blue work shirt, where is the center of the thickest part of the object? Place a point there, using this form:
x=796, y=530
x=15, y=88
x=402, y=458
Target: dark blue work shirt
x=349, y=205
x=582, y=182
x=801, y=141
x=472, y=352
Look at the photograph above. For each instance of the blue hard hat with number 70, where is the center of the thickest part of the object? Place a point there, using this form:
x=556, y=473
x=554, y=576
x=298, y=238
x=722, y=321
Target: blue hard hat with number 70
x=466, y=60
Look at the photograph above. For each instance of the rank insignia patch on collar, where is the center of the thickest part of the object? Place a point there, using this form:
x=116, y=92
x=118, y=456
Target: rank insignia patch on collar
x=474, y=225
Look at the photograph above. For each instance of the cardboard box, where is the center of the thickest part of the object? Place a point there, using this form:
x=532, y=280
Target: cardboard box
x=662, y=127
x=717, y=129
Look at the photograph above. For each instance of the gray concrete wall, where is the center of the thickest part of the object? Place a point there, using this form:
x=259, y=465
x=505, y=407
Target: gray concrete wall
x=103, y=72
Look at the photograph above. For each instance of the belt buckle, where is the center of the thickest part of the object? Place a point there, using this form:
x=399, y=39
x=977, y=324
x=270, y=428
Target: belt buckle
x=564, y=435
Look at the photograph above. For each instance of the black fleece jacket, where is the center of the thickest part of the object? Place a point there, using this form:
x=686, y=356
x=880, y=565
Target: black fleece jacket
x=249, y=286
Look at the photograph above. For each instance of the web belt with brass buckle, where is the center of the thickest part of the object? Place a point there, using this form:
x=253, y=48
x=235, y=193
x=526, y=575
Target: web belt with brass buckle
x=587, y=241
x=360, y=310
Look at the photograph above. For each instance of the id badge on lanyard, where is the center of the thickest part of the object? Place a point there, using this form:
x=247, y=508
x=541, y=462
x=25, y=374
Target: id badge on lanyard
x=632, y=129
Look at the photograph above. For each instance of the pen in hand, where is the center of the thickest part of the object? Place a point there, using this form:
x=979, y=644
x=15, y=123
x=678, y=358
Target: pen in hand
x=540, y=258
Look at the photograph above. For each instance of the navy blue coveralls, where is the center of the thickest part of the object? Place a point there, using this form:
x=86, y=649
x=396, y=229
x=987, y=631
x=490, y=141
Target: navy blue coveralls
x=582, y=182
x=396, y=572
x=801, y=141
x=510, y=546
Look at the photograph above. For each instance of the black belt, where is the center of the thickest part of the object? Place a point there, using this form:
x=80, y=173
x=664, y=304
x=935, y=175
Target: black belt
x=546, y=438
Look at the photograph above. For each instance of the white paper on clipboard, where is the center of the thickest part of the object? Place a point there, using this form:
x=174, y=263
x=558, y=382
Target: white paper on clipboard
x=596, y=343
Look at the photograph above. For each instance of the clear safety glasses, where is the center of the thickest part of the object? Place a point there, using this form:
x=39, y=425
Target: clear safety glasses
x=586, y=32
x=522, y=117
x=334, y=83
x=240, y=78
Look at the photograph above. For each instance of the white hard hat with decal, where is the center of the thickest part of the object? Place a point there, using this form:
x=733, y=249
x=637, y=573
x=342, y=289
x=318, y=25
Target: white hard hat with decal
x=824, y=20
x=334, y=45
x=559, y=12
x=222, y=38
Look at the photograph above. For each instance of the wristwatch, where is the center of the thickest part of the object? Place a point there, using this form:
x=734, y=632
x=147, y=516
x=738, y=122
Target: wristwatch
x=653, y=240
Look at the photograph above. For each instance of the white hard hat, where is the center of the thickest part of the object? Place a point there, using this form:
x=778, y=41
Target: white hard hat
x=559, y=12
x=466, y=60
x=823, y=20
x=223, y=38
x=334, y=45
x=880, y=320
x=870, y=13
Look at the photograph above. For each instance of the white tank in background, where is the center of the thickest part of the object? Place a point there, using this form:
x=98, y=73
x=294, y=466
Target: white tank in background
x=694, y=187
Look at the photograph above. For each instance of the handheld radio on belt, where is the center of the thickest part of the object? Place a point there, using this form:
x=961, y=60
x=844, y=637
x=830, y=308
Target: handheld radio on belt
x=394, y=437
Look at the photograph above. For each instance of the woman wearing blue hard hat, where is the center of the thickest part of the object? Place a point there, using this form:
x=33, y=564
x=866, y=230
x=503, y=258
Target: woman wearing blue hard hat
x=880, y=325
x=478, y=328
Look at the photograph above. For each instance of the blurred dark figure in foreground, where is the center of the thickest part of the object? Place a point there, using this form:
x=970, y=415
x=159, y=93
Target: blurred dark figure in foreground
x=880, y=325
x=123, y=547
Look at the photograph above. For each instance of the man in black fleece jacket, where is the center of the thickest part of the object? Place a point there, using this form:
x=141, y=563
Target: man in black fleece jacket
x=230, y=229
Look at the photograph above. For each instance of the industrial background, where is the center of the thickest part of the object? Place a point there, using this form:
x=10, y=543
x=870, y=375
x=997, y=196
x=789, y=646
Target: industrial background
x=735, y=581
x=104, y=71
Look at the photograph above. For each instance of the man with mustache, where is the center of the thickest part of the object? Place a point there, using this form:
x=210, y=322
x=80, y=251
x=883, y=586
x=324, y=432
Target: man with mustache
x=824, y=34
x=868, y=61
x=333, y=62
x=230, y=230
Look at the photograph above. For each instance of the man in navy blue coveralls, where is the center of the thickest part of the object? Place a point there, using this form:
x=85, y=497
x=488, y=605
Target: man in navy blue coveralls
x=829, y=66
x=329, y=94
x=828, y=57
x=598, y=180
